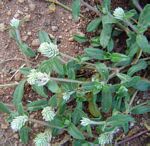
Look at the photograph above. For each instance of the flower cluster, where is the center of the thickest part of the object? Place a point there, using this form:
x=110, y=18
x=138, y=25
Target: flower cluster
x=37, y=78
x=67, y=95
x=105, y=138
x=43, y=139
x=119, y=13
x=18, y=122
x=85, y=121
x=49, y=50
x=48, y=113
x=15, y=23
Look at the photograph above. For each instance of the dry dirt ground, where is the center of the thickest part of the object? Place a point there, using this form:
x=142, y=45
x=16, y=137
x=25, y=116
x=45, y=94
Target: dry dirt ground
x=59, y=24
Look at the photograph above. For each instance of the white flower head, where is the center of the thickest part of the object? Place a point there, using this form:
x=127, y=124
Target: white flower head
x=105, y=138
x=18, y=122
x=67, y=95
x=85, y=121
x=15, y=23
x=119, y=13
x=37, y=78
x=43, y=139
x=49, y=50
x=48, y=113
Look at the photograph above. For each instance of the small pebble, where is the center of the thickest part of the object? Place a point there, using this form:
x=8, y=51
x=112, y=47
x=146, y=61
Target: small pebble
x=21, y=1
x=35, y=43
x=2, y=27
x=24, y=38
x=32, y=6
x=4, y=125
x=29, y=33
x=9, y=13
x=54, y=28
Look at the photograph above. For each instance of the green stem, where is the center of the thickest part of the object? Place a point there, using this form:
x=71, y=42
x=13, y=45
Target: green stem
x=66, y=80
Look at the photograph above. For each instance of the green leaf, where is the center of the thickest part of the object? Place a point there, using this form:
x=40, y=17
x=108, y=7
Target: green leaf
x=143, y=43
x=106, y=6
x=77, y=115
x=140, y=109
x=130, y=14
x=74, y=132
x=106, y=98
x=27, y=50
x=93, y=108
x=103, y=70
x=4, y=108
x=57, y=66
x=117, y=57
x=18, y=93
x=93, y=25
x=40, y=90
x=144, y=18
x=108, y=19
x=46, y=66
x=142, y=85
x=105, y=35
x=37, y=105
x=80, y=38
x=24, y=135
x=119, y=120
x=135, y=68
x=25, y=70
x=53, y=86
x=76, y=9
x=44, y=37
x=95, y=53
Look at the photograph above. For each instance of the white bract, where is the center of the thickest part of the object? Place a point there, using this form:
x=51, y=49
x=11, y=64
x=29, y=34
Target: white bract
x=37, y=78
x=119, y=13
x=43, y=139
x=85, y=121
x=49, y=50
x=105, y=138
x=48, y=113
x=67, y=95
x=18, y=122
x=15, y=23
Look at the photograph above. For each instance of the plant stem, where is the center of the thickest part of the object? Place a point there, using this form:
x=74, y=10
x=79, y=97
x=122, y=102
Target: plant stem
x=91, y=8
x=62, y=5
x=138, y=55
x=137, y=5
x=128, y=23
x=133, y=97
x=66, y=80
x=8, y=85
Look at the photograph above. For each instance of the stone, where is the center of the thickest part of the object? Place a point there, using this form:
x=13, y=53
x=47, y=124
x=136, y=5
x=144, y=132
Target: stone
x=18, y=76
x=4, y=125
x=29, y=33
x=32, y=6
x=2, y=27
x=24, y=38
x=54, y=28
x=9, y=13
x=21, y=1
x=35, y=43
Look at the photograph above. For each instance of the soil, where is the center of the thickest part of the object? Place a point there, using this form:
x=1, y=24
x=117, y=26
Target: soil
x=40, y=18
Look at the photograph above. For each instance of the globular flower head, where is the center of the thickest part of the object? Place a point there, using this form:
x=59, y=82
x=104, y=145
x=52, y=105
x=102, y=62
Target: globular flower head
x=18, y=122
x=48, y=113
x=119, y=13
x=85, y=121
x=49, y=50
x=15, y=23
x=67, y=95
x=43, y=139
x=37, y=78
x=105, y=138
